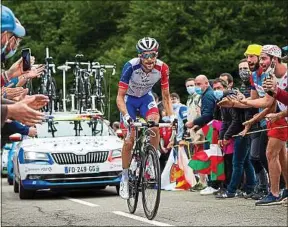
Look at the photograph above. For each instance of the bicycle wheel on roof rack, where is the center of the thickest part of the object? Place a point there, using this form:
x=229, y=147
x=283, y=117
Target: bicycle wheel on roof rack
x=151, y=182
x=100, y=91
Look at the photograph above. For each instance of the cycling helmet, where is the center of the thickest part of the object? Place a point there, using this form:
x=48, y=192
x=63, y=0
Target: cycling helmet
x=147, y=44
x=9, y=22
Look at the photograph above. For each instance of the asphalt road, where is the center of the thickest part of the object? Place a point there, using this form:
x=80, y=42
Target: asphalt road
x=105, y=208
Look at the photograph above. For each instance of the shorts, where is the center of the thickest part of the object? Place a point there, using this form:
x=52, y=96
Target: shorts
x=145, y=106
x=281, y=134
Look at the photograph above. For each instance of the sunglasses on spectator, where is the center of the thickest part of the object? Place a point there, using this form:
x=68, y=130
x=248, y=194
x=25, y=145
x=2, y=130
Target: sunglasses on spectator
x=147, y=56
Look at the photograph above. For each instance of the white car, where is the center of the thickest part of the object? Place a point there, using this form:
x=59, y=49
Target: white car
x=66, y=160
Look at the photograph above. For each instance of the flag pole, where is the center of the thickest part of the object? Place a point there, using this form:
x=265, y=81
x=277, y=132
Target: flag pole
x=253, y=132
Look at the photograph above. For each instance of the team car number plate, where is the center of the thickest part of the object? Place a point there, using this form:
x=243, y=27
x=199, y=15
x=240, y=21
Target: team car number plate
x=81, y=169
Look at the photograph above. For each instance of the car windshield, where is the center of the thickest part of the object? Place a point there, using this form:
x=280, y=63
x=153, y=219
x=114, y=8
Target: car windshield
x=97, y=127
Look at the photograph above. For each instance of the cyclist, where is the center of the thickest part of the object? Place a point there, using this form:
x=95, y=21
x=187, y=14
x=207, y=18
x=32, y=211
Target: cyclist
x=134, y=94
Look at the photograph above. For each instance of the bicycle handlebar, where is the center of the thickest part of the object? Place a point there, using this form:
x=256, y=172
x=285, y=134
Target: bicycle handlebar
x=151, y=124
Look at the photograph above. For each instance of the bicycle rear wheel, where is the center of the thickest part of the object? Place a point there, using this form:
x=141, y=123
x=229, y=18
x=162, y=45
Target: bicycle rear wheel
x=134, y=183
x=151, y=183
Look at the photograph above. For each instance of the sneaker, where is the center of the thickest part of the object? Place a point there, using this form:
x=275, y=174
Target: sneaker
x=284, y=195
x=225, y=195
x=198, y=187
x=270, y=199
x=208, y=191
x=124, y=190
x=259, y=195
x=220, y=191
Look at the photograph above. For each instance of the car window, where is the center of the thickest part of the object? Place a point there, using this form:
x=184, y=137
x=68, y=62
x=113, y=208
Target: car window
x=74, y=128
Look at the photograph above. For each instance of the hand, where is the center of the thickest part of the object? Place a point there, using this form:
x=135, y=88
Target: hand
x=170, y=145
x=226, y=103
x=182, y=143
x=127, y=120
x=12, y=92
x=34, y=72
x=273, y=117
x=244, y=101
x=270, y=85
x=225, y=142
x=220, y=143
x=248, y=122
x=16, y=69
x=32, y=131
x=36, y=101
x=189, y=125
x=24, y=114
x=240, y=96
x=246, y=129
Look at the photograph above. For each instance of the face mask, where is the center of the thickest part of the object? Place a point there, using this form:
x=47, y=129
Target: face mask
x=218, y=94
x=10, y=54
x=244, y=75
x=166, y=118
x=198, y=90
x=191, y=89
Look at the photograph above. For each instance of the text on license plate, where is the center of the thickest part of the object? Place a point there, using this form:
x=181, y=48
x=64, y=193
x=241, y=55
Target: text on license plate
x=82, y=169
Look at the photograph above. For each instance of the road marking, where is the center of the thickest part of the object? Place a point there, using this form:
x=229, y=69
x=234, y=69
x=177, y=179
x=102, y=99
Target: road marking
x=141, y=219
x=82, y=202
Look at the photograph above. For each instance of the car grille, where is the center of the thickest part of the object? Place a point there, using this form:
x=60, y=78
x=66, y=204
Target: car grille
x=70, y=158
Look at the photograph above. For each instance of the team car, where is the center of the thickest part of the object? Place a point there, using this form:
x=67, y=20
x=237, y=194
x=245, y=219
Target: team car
x=72, y=151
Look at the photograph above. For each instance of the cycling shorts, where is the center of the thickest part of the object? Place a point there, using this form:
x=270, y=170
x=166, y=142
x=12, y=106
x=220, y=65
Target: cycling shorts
x=281, y=134
x=145, y=106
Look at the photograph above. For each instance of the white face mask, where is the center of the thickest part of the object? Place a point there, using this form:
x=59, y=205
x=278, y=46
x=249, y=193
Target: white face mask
x=191, y=90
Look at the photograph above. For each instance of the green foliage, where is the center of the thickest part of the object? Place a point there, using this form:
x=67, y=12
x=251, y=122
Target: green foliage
x=196, y=37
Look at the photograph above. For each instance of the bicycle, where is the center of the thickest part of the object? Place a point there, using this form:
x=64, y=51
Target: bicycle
x=142, y=177
x=82, y=85
x=99, y=87
x=48, y=83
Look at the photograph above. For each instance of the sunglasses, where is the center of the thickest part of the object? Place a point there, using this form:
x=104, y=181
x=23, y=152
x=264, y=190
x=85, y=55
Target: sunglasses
x=147, y=56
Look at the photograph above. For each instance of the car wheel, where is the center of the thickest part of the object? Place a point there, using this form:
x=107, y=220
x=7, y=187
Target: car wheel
x=117, y=189
x=15, y=185
x=10, y=181
x=24, y=193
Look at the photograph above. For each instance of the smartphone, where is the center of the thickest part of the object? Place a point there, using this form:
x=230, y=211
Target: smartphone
x=26, y=58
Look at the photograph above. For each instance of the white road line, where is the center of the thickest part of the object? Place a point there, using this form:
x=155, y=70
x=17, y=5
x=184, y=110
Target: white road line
x=141, y=219
x=82, y=202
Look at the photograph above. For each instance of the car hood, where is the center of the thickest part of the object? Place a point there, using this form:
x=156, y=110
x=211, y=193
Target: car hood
x=80, y=144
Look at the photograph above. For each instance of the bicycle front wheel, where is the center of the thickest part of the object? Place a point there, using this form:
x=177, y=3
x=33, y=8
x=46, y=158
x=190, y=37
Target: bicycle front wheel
x=134, y=184
x=151, y=183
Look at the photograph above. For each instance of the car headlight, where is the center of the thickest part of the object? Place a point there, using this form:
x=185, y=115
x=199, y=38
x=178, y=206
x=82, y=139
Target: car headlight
x=28, y=155
x=116, y=153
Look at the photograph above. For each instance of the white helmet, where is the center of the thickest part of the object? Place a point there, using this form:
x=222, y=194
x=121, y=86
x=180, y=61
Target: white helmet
x=147, y=44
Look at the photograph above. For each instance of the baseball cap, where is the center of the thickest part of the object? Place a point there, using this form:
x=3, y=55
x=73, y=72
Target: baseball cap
x=9, y=22
x=253, y=49
x=272, y=50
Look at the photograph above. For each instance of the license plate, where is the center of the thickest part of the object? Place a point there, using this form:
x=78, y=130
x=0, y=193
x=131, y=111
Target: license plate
x=81, y=169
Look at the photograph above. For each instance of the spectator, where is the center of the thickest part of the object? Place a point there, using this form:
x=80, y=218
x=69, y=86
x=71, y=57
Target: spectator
x=228, y=79
x=180, y=111
x=262, y=181
x=194, y=104
x=232, y=119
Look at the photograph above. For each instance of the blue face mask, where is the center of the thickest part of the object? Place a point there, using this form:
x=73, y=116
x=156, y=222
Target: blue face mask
x=191, y=90
x=10, y=54
x=198, y=90
x=166, y=118
x=218, y=94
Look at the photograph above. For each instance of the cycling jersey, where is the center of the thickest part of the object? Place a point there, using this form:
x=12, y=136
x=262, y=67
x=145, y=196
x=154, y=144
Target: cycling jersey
x=140, y=83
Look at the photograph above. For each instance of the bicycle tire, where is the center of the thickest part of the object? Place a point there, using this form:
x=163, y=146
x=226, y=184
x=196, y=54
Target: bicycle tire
x=132, y=204
x=51, y=93
x=101, y=102
x=151, y=151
